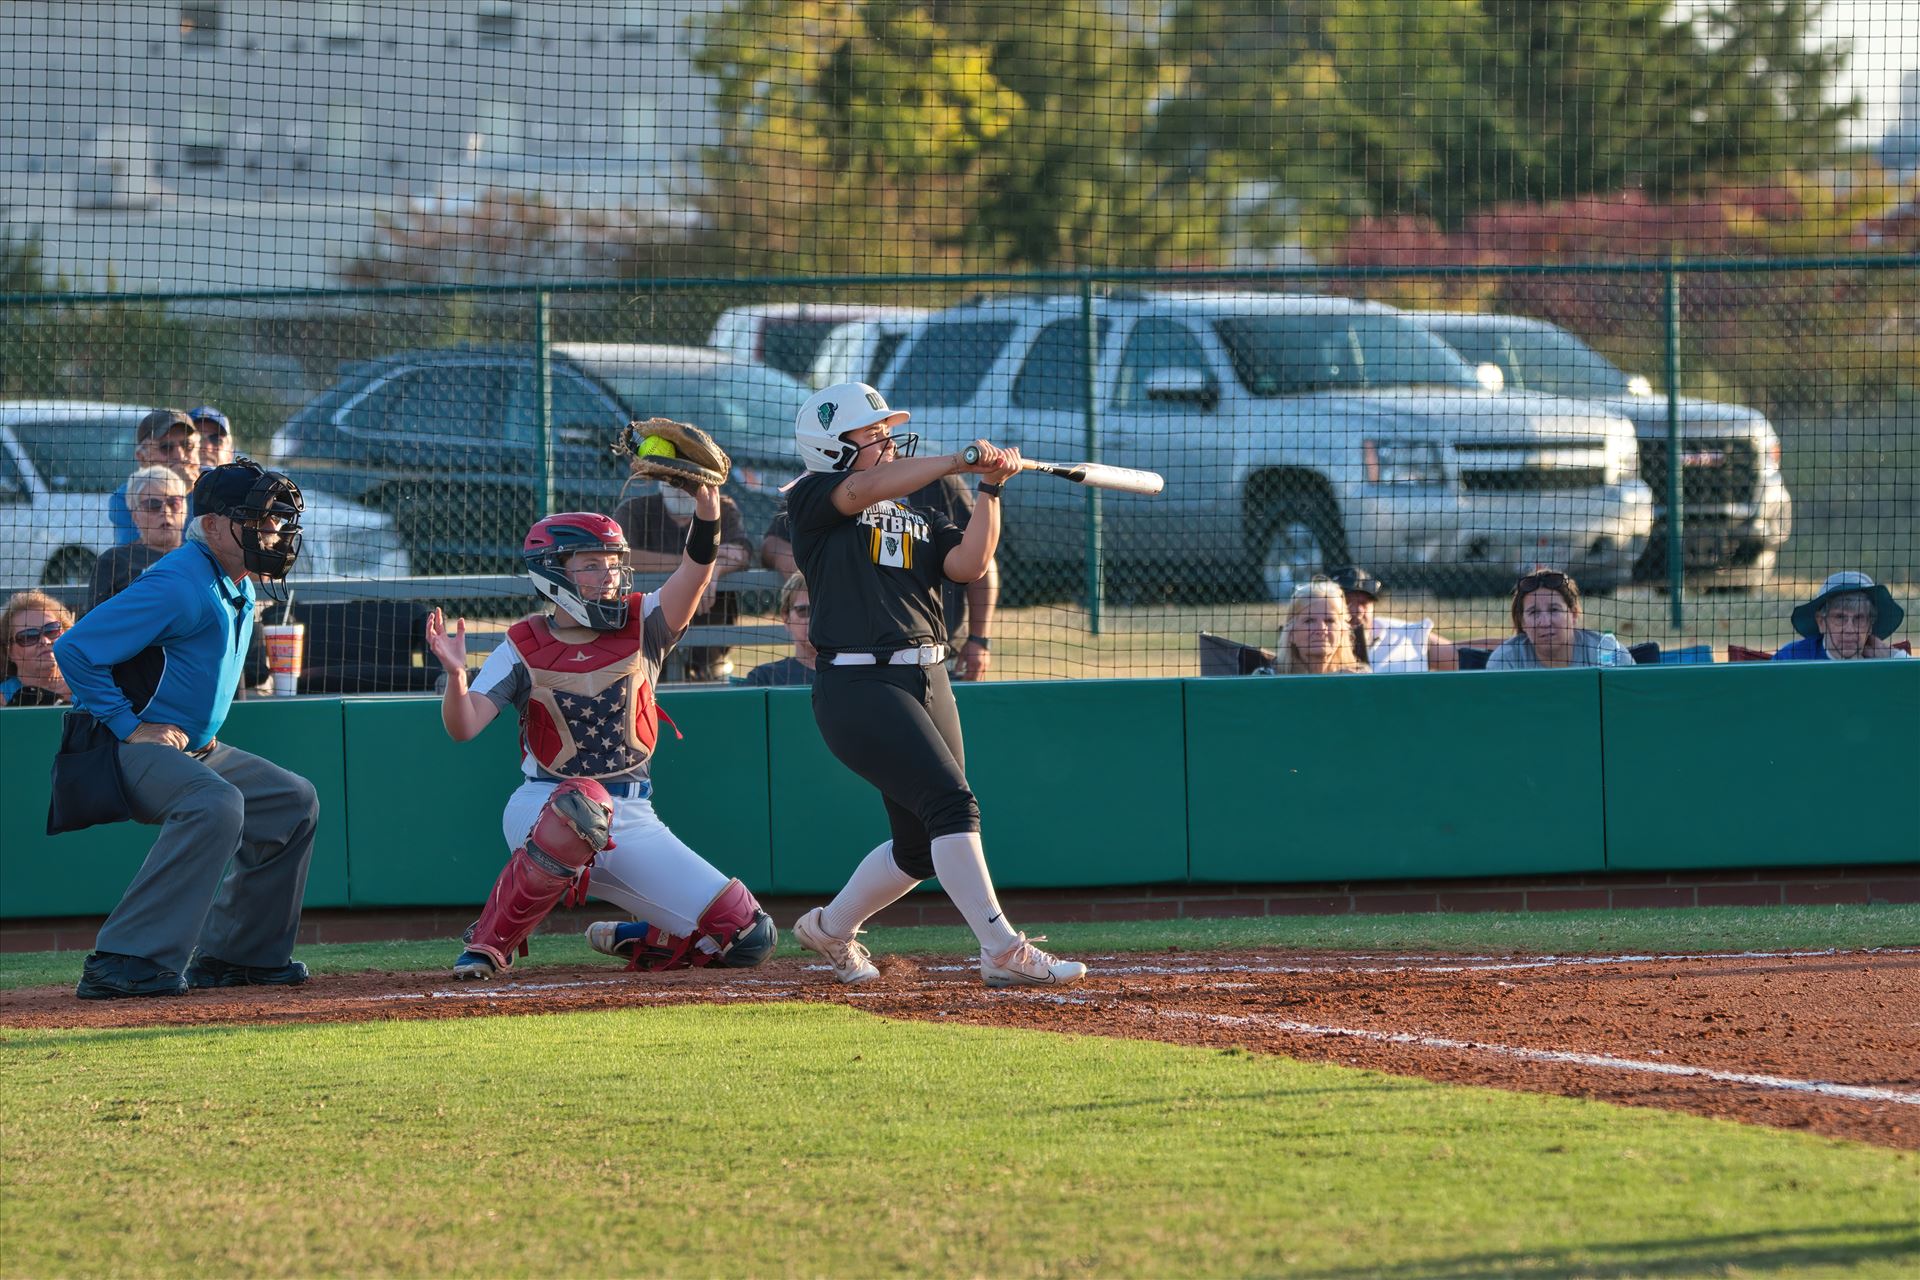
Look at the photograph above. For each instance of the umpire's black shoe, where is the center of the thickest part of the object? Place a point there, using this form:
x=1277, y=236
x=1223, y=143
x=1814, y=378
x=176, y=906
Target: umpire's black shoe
x=211, y=971
x=108, y=975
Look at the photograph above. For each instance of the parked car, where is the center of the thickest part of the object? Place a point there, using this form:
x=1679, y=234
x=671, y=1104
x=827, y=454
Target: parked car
x=61, y=462
x=787, y=335
x=1295, y=433
x=860, y=350
x=1737, y=512
x=748, y=408
x=446, y=440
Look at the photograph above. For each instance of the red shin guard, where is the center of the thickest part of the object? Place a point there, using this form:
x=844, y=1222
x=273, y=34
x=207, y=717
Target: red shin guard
x=573, y=827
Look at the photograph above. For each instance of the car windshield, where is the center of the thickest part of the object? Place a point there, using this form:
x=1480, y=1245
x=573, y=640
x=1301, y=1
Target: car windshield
x=1549, y=360
x=1284, y=355
x=731, y=404
x=89, y=455
x=790, y=345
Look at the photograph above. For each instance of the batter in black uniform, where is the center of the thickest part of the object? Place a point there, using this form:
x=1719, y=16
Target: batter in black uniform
x=874, y=567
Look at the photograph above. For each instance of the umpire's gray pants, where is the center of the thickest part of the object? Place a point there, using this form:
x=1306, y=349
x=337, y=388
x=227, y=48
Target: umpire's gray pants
x=230, y=808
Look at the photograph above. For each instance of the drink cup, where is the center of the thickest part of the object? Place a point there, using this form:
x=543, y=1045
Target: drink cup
x=286, y=646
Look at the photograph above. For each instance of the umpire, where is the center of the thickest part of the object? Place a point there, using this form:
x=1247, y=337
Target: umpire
x=156, y=666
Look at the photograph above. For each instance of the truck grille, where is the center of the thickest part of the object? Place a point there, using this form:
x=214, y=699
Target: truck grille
x=1531, y=466
x=1712, y=473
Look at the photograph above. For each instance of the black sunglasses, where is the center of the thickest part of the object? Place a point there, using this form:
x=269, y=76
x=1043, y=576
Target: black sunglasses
x=1545, y=578
x=49, y=631
x=156, y=505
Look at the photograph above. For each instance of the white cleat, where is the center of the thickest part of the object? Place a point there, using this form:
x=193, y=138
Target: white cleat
x=851, y=962
x=1025, y=965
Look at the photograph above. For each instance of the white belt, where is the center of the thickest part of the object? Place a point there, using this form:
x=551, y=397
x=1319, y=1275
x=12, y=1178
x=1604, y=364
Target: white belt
x=927, y=655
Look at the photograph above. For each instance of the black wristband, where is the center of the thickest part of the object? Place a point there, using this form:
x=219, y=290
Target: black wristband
x=989, y=490
x=982, y=641
x=703, y=541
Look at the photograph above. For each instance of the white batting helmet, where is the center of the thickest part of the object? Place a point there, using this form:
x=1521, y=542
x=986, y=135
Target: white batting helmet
x=820, y=428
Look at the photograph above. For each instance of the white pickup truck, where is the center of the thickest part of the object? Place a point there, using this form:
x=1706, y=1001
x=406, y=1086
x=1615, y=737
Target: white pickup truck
x=1295, y=432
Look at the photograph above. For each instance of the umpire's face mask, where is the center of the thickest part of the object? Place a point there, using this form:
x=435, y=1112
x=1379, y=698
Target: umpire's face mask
x=679, y=501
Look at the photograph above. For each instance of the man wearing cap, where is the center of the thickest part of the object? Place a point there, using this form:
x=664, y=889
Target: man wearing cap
x=215, y=436
x=156, y=665
x=1391, y=644
x=164, y=438
x=1852, y=617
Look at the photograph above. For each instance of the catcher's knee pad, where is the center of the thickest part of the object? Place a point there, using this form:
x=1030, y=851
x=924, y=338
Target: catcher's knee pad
x=573, y=827
x=732, y=932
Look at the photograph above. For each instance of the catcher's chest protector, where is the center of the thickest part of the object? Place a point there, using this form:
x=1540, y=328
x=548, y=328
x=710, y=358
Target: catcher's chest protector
x=591, y=713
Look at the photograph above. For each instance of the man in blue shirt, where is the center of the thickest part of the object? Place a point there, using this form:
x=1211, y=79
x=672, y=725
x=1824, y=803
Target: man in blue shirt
x=157, y=664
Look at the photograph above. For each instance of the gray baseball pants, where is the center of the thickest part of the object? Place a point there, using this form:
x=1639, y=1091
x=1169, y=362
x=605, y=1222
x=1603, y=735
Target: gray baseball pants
x=230, y=867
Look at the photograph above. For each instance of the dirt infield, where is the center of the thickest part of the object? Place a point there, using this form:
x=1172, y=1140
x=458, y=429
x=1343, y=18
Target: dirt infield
x=1827, y=1042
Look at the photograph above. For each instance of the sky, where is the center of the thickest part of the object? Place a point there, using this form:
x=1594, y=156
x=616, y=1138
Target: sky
x=1886, y=43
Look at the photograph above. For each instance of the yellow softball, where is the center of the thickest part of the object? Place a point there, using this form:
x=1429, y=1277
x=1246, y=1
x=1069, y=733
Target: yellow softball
x=658, y=447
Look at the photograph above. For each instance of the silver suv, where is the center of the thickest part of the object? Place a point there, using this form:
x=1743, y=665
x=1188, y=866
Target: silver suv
x=1735, y=509
x=1296, y=432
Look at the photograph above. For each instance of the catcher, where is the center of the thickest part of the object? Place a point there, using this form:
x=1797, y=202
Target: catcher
x=581, y=678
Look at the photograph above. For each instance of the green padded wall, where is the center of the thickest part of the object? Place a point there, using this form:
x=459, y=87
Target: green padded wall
x=1763, y=764
x=713, y=783
x=424, y=829
x=426, y=823
x=1078, y=783
x=85, y=872
x=1377, y=777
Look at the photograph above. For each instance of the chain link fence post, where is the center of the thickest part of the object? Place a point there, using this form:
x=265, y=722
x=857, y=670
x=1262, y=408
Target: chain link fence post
x=1676, y=458
x=1090, y=335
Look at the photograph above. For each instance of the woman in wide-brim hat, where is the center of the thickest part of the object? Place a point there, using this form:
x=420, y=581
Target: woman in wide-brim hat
x=1852, y=617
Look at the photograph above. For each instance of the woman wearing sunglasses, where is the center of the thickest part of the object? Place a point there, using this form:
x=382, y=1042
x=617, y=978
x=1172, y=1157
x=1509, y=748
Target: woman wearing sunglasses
x=1547, y=630
x=157, y=497
x=29, y=676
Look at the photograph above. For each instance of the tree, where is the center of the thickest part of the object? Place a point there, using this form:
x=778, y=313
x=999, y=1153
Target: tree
x=898, y=136
x=1442, y=108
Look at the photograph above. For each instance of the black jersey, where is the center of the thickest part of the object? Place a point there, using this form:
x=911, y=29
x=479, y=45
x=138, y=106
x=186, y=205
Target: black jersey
x=948, y=495
x=875, y=576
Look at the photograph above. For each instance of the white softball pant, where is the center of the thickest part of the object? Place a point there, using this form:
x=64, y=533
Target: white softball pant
x=649, y=872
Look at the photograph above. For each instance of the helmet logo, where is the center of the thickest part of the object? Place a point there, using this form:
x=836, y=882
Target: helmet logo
x=873, y=398
x=826, y=412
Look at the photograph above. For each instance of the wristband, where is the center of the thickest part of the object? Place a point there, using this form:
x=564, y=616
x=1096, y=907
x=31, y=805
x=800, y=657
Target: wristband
x=989, y=490
x=982, y=641
x=703, y=541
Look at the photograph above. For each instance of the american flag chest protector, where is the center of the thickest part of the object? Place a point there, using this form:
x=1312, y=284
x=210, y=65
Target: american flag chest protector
x=591, y=712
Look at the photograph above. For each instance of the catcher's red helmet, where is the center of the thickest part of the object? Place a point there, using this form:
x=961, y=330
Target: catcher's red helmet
x=545, y=551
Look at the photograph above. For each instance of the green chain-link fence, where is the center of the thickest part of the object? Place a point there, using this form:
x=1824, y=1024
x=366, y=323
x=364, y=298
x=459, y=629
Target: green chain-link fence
x=1495, y=420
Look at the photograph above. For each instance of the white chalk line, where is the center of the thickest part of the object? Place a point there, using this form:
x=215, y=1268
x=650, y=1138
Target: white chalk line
x=1857, y=1093
x=1455, y=964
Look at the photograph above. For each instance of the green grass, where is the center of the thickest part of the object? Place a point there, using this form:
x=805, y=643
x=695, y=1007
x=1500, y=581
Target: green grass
x=818, y=1140
x=1570, y=932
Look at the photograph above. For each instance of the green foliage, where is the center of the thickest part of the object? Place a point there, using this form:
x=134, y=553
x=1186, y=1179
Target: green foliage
x=1438, y=110
x=897, y=136
x=819, y=1140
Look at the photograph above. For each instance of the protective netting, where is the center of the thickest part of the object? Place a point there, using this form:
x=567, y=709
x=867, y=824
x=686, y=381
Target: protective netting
x=1448, y=292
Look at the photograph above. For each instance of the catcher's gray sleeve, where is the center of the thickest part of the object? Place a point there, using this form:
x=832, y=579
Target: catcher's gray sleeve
x=503, y=679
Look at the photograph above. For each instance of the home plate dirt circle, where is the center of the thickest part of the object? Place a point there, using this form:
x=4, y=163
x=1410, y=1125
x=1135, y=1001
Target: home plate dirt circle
x=1823, y=1041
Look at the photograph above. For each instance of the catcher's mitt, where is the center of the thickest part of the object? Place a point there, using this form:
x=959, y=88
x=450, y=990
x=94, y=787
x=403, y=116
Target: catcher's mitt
x=677, y=452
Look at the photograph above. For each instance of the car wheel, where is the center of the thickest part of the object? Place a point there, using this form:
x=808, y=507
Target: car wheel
x=1296, y=537
x=69, y=567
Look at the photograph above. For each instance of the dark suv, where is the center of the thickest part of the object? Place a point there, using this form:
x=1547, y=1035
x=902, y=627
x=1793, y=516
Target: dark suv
x=445, y=439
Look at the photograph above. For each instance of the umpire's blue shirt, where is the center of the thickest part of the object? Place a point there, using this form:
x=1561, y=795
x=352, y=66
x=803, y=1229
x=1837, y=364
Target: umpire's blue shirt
x=196, y=616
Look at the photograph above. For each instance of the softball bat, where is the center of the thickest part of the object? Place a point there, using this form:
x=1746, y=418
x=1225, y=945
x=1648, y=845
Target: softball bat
x=1097, y=475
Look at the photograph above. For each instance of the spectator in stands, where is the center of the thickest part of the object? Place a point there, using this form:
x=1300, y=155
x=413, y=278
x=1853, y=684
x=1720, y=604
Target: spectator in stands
x=796, y=610
x=214, y=436
x=968, y=606
x=656, y=527
x=158, y=498
x=29, y=674
x=1852, y=617
x=164, y=438
x=1547, y=630
x=1391, y=644
x=1317, y=637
